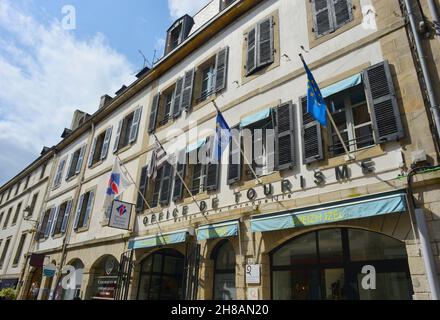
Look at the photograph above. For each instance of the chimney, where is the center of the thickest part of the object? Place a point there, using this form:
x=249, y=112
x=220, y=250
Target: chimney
x=105, y=101
x=45, y=150
x=123, y=88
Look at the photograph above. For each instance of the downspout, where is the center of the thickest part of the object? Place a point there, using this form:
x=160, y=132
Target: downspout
x=74, y=208
x=435, y=17
x=434, y=104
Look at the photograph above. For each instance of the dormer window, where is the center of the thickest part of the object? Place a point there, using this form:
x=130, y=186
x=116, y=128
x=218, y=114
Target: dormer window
x=225, y=3
x=178, y=32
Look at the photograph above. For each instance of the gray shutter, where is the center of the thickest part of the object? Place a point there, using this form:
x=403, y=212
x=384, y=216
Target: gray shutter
x=66, y=216
x=54, y=221
x=177, y=99
x=106, y=143
x=49, y=223
x=143, y=185
x=80, y=159
x=265, y=53
x=135, y=125
x=258, y=157
x=166, y=183
x=285, y=145
x=187, y=93
x=311, y=136
x=322, y=17
x=118, y=136
x=181, y=169
x=382, y=102
x=78, y=212
x=92, y=152
x=221, y=72
x=234, y=166
x=153, y=113
x=343, y=12
x=212, y=176
x=88, y=209
x=59, y=174
x=251, y=61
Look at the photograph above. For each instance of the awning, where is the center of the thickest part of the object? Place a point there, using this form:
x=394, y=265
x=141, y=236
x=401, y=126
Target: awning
x=348, y=210
x=220, y=230
x=196, y=145
x=348, y=83
x=255, y=118
x=159, y=240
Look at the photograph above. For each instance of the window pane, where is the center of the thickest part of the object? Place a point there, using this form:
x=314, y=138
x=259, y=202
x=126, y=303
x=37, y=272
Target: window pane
x=361, y=115
x=364, y=137
x=282, y=289
x=357, y=95
x=334, y=284
x=300, y=251
x=330, y=246
x=224, y=286
x=157, y=265
x=366, y=246
x=337, y=146
x=173, y=265
x=143, y=287
x=389, y=286
x=306, y=285
x=225, y=258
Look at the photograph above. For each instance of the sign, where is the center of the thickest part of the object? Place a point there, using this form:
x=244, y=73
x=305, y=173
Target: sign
x=253, y=274
x=106, y=287
x=120, y=215
x=49, y=271
x=252, y=294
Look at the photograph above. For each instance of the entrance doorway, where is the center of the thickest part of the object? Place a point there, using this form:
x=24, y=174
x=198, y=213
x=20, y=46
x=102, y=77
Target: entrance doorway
x=333, y=264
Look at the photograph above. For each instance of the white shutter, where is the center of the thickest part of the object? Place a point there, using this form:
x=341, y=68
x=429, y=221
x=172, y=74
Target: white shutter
x=49, y=223
x=66, y=216
x=92, y=152
x=135, y=125
x=80, y=159
x=106, y=143
x=88, y=209
x=118, y=135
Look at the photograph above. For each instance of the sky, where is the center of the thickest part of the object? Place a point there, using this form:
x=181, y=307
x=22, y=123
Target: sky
x=57, y=56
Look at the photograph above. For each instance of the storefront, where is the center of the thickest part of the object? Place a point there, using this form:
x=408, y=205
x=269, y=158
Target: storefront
x=103, y=279
x=69, y=287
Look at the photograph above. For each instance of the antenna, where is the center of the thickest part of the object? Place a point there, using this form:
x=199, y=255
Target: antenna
x=146, y=62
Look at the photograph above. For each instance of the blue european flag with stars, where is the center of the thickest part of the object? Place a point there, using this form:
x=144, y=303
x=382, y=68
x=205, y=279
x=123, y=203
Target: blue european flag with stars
x=316, y=105
x=223, y=136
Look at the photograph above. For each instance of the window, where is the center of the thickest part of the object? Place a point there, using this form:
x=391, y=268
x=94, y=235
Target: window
x=8, y=216
x=19, y=250
x=128, y=129
x=17, y=189
x=260, y=46
x=165, y=106
x=100, y=147
x=17, y=213
x=43, y=170
x=330, y=15
x=1, y=217
x=225, y=3
x=27, y=182
x=59, y=174
x=76, y=161
x=61, y=218
x=45, y=224
x=175, y=37
x=9, y=194
x=178, y=32
x=224, y=272
x=30, y=212
x=5, y=251
x=84, y=211
x=198, y=178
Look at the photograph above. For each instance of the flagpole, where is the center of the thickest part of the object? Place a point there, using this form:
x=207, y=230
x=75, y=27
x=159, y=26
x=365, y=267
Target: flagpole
x=338, y=133
x=180, y=177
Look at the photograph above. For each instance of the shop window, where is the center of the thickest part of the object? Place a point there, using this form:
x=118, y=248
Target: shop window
x=104, y=279
x=76, y=161
x=17, y=214
x=67, y=294
x=128, y=129
x=100, y=147
x=327, y=265
x=19, y=250
x=8, y=216
x=225, y=3
x=161, y=276
x=5, y=251
x=61, y=218
x=85, y=207
x=224, y=272
x=330, y=15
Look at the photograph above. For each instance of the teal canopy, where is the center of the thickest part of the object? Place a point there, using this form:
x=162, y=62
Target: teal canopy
x=254, y=118
x=220, y=230
x=356, y=209
x=196, y=145
x=348, y=83
x=158, y=240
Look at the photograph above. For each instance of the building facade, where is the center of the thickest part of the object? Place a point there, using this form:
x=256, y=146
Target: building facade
x=302, y=218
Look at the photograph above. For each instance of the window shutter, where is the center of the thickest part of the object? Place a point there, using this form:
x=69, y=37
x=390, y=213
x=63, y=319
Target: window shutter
x=258, y=157
x=251, y=63
x=311, y=135
x=50, y=222
x=140, y=205
x=88, y=209
x=165, y=188
x=106, y=143
x=118, y=136
x=54, y=221
x=221, y=66
x=153, y=113
x=66, y=216
x=59, y=173
x=80, y=159
x=322, y=17
x=177, y=100
x=181, y=169
x=265, y=42
x=70, y=166
x=78, y=212
x=343, y=12
x=187, y=90
x=135, y=125
x=383, y=105
x=212, y=169
x=286, y=146
x=234, y=166
x=92, y=152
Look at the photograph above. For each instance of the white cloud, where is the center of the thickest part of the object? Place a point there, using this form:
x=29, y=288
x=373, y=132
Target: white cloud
x=46, y=73
x=178, y=8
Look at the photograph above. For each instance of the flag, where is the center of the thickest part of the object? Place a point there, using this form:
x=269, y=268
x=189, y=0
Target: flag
x=116, y=186
x=316, y=105
x=158, y=160
x=222, y=137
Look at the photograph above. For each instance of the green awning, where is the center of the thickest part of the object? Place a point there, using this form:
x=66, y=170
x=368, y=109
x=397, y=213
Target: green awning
x=348, y=210
x=159, y=240
x=195, y=146
x=256, y=117
x=340, y=86
x=220, y=230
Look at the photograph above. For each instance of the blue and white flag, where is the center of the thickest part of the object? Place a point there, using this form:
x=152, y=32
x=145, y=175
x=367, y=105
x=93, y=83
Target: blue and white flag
x=117, y=184
x=222, y=137
x=316, y=105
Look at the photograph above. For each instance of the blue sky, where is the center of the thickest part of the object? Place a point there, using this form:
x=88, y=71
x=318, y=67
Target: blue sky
x=47, y=72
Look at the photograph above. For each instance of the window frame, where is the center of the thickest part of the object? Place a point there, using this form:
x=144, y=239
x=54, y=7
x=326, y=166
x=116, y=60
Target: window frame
x=214, y=256
x=19, y=251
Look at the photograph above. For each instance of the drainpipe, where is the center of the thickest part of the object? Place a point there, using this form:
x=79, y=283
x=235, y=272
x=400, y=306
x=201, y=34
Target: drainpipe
x=435, y=17
x=434, y=104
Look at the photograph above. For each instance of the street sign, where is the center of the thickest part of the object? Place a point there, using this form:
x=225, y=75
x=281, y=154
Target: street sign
x=120, y=215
